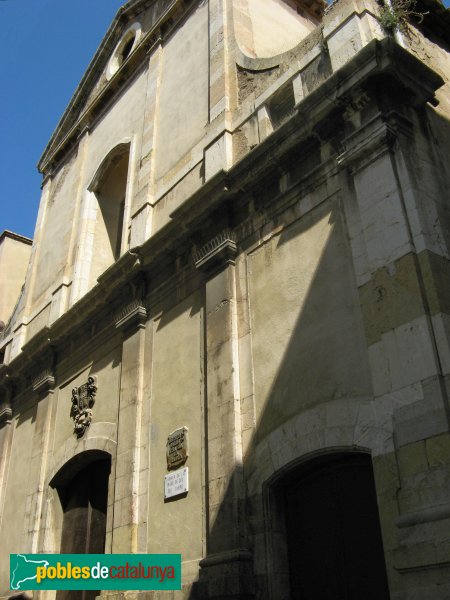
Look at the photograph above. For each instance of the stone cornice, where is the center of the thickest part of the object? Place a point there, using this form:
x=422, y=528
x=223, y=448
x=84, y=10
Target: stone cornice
x=64, y=327
x=366, y=149
x=376, y=60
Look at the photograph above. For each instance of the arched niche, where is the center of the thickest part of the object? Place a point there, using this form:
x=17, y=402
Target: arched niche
x=268, y=28
x=109, y=189
x=324, y=535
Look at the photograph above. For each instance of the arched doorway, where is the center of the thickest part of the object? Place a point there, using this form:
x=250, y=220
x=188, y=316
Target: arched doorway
x=332, y=530
x=82, y=487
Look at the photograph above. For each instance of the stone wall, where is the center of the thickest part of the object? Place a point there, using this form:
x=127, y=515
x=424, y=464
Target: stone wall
x=15, y=253
x=283, y=297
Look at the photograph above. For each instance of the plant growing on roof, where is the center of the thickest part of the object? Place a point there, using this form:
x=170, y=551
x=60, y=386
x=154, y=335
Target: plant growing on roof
x=395, y=14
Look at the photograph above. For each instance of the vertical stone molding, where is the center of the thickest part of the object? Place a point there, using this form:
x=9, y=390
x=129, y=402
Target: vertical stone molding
x=141, y=228
x=35, y=253
x=226, y=560
x=131, y=320
x=67, y=295
x=6, y=429
x=44, y=386
x=223, y=92
x=381, y=228
x=395, y=230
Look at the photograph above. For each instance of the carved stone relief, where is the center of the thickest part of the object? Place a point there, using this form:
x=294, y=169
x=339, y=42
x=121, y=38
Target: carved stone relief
x=177, y=448
x=83, y=399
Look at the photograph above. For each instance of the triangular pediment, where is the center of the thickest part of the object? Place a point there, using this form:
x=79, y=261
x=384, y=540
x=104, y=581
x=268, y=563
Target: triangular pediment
x=134, y=29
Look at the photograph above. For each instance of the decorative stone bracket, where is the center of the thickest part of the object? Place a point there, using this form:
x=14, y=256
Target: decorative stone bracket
x=221, y=250
x=6, y=414
x=133, y=314
x=44, y=382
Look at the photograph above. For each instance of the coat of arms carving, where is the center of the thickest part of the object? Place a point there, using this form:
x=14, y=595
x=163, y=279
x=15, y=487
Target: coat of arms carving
x=83, y=399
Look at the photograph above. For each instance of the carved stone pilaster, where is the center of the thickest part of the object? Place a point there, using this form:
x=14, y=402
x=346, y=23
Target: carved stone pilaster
x=42, y=368
x=363, y=150
x=220, y=251
x=131, y=319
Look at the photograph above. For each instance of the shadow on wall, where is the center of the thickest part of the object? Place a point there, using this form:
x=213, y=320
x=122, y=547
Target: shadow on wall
x=309, y=351
x=313, y=398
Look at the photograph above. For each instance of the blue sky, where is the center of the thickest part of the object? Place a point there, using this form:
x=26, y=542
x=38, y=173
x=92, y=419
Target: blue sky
x=45, y=48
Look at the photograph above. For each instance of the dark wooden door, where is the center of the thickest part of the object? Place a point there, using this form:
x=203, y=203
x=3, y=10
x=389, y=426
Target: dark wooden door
x=334, y=539
x=84, y=502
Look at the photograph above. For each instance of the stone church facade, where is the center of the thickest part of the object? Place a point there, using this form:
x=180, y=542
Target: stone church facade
x=240, y=270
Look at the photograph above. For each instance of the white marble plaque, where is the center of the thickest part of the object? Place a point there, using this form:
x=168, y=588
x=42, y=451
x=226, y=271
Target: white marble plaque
x=176, y=483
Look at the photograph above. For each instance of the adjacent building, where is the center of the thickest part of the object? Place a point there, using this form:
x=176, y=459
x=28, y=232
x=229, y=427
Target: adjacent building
x=15, y=253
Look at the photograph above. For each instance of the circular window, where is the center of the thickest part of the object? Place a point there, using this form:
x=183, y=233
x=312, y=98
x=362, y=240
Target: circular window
x=124, y=48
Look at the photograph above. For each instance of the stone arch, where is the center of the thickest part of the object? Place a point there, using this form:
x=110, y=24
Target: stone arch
x=338, y=424
x=112, y=157
x=75, y=464
x=70, y=457
x=100, y=437
x=337, y=427
x=108, y=191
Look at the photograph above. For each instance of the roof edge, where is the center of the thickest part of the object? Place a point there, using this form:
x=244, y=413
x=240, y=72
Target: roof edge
x=15, y=236
x=92, y=71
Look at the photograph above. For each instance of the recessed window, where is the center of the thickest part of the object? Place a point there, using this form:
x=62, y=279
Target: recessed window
x=124, y=48
x=109, y=188
x=128, y=47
